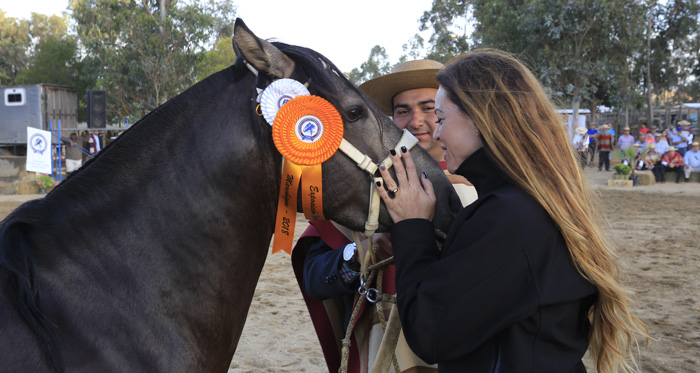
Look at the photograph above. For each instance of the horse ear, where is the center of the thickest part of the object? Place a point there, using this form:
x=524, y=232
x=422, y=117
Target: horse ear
x=259, y=53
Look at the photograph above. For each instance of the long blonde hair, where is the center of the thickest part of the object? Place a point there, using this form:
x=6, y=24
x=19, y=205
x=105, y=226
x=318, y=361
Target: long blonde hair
x=525, y=136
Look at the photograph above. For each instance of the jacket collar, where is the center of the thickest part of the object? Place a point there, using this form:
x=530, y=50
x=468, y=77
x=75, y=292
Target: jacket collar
x=481, y=171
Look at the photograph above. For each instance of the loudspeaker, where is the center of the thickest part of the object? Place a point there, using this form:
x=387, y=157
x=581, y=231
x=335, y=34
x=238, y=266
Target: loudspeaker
x=96, y=116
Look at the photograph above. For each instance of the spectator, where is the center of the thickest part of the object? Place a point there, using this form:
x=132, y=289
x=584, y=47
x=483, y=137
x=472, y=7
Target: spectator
x=661, y=143
x=74, y=153
x=692, y=161
x=683, y=137
x=673, y=161
x=95, y=143
x=592, y=144
x=581, y=143
x=643, y=130
x=626, y=140
x=650, y=161
x=605, y=142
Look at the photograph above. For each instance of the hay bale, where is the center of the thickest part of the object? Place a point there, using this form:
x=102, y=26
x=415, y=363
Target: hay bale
x=620, y=183
x=26, y=187
x=646, y=177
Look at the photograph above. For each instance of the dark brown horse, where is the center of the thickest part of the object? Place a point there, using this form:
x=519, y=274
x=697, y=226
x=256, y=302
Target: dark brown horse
x=146, y=259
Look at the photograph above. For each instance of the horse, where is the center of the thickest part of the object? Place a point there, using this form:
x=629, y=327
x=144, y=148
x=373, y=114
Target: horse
x=147, y=257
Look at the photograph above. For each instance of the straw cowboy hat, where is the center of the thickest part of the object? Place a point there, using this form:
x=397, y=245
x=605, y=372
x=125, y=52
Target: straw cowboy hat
x=696, y=143
x=404, y=76
x=658, y=134
x=581, y=130
x=684, y=123
x=605, y=127
x=671, y=148
x=626, y=129
x=653, y=146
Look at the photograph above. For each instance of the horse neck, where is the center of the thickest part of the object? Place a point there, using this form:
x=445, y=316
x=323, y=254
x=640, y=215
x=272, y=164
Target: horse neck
x=196, y=179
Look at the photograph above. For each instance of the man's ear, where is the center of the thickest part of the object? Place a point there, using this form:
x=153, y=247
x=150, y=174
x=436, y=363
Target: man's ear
x=259, y=53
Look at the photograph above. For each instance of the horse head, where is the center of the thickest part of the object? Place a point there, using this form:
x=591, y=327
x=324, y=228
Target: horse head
x=346, y=187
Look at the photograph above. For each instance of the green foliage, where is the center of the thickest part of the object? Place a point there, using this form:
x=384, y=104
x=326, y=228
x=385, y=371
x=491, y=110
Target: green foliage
x=45, y=181
x=15, y=41
x=217, y=59
x=631, y=156
x=142, y=55
x=621, y=169
x=377, y=64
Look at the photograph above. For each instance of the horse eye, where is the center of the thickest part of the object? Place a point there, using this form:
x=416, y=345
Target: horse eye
x=354, y=114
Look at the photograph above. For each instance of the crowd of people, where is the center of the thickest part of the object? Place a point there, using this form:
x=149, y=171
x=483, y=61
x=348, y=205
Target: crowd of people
x=657, y=150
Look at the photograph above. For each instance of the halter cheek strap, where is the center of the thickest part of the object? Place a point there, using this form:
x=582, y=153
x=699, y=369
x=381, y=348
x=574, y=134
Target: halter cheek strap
x=365, y=163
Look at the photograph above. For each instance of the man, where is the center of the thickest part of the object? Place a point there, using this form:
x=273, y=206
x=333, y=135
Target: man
x=682, y=137
x=581, y=142
x=673, y=161
x=692, y=161
x=95, y=143
x=650, y=161
x=592, y=145
x=331, y=264
x=74, y=153
x=661, y=143
x=626, y=140
x=604, y=140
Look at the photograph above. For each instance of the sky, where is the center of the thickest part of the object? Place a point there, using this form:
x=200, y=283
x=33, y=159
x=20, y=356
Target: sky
x=345, y=32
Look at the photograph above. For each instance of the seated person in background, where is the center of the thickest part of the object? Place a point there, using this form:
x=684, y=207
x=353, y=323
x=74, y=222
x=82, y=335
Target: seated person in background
x=692, y=160
x=650, y=160
x=643, y=130
x=649, y=138
x=671, y=160
x=661, y=143
x=331, y=266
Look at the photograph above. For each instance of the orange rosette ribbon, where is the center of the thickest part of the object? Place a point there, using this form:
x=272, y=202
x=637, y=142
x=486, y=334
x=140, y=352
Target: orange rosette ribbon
x=307, y=131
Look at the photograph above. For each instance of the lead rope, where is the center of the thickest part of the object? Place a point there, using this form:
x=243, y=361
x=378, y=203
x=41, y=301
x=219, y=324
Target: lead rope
x=369, y=272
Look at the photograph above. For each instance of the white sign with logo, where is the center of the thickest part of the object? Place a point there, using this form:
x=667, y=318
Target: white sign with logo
x=38, y=150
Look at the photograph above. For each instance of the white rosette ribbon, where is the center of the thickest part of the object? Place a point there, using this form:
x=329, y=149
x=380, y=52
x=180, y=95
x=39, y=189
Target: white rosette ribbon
x=277, y=94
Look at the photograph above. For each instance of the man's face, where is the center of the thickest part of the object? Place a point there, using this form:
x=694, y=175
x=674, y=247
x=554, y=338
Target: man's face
x=415, y=110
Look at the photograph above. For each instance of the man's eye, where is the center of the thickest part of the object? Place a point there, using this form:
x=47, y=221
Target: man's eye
x=401, y=112
x=429, y=108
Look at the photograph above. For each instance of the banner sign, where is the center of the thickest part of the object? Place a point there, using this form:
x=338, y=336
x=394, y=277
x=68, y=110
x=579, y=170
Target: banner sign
x=38, y=150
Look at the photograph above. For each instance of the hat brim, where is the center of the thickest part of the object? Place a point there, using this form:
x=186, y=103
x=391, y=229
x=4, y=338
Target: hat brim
x=383, y=89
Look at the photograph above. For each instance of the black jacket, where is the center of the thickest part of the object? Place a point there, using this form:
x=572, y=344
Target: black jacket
x=502, y=295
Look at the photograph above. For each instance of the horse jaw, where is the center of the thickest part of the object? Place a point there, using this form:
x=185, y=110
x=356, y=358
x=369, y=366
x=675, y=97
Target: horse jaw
x=259, y=53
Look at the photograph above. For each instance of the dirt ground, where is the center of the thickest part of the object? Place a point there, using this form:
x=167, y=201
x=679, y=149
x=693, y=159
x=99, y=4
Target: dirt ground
x=654, y=228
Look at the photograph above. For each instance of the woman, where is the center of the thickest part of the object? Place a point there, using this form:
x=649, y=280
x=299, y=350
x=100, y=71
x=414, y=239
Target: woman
x=525, y=280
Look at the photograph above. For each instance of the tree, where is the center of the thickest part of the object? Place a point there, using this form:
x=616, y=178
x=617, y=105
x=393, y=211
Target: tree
x=447, y=19
x=15, y=41
x=376, y=65
x=143, y=53
x=219, y=58
x=572, y=46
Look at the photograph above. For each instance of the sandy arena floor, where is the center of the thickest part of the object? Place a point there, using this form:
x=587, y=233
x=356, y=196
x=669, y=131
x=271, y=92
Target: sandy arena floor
x=655, y=229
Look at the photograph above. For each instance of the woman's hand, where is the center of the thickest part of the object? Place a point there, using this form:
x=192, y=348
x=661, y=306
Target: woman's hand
x=408, y=196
